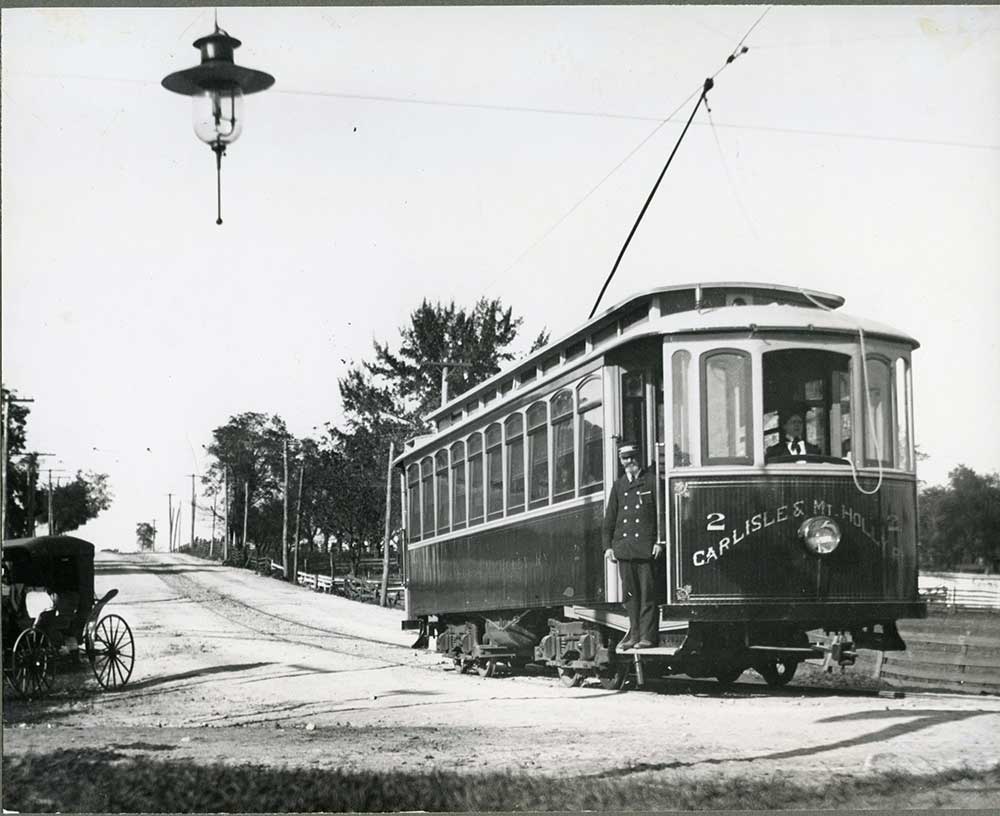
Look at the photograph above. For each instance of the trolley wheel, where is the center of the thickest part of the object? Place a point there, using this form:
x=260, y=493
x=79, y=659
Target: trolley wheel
x=729, y=675
x=111, y=651
x=487, y=668
x=31, y=663
x=569, y=677
x=778, y=672
x=613, y=678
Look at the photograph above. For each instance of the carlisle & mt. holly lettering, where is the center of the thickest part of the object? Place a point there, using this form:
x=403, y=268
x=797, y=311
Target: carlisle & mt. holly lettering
x=797, y=511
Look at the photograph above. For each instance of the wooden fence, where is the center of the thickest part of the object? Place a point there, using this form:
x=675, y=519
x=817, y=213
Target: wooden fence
x=946, y=653
x=960, y=590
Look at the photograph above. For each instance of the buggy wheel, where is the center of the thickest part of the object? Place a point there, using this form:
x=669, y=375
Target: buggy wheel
x=111, y=652
x=614, y=677
x=487, y=668
x=569, y=677
x=778, y=672
x=31, y=663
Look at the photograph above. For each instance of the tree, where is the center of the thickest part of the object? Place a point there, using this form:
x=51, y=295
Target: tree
x=480, y=339
x=145, y=536
x=74, y=503
x=250, y=447
x=959, y=524
x=77, y=502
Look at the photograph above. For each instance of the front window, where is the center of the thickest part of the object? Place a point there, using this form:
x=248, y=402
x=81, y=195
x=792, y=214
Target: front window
x=726, y=408
x=904, y=432
x=680, y=366
x=880, y=439
x=807, y=403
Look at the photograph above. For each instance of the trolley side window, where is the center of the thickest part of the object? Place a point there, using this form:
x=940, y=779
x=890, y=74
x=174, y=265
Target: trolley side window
x=476, y=503
x=494, y=472
x=458, y=485
x=563, y=454
x=591, y=412
x=683, y=417
x=904, y=431
x=413, y=500
x=441, y=484
x=427, y=495
x=538, y=455
x=514, y=429
x=726, y=413
x=814, y=385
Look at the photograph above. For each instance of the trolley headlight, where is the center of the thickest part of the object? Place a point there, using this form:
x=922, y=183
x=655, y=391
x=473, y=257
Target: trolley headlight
x=820, y=535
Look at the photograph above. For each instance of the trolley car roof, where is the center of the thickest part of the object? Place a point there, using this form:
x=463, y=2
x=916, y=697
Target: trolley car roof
x=683, y=309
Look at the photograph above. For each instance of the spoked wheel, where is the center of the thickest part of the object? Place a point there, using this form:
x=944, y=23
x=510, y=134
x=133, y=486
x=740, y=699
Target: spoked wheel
x=613, y=678
x=778, y=672
x=569, y=677
x=31, y=664
x=111, y=651
x=487, y=668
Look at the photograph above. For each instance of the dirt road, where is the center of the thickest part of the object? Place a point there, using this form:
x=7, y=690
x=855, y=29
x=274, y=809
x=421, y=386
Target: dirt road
x=237, y=668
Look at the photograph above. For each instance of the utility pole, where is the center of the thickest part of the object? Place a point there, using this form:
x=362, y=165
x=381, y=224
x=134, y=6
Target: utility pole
x=284, y=515
x=5, y=402
x=170, y=521
x=211, y=544
x=192, y=511
x=246, y=511
x=445, y=365
x=32, y=482
x=385, y=543
x=225, y=531
x=298, y=512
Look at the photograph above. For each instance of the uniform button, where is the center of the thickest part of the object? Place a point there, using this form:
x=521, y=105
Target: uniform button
x=636, y=535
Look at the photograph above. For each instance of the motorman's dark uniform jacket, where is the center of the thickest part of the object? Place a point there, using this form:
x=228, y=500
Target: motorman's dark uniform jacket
x=630, y=518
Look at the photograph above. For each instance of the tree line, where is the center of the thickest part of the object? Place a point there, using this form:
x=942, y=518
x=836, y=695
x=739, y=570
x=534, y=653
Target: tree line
x=328, y=492
x=74, y=501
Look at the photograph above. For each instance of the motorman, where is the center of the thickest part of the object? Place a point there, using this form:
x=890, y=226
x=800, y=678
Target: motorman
x=630, y=539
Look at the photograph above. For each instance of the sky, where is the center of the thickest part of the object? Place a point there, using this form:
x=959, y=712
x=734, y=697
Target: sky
x=451, y=153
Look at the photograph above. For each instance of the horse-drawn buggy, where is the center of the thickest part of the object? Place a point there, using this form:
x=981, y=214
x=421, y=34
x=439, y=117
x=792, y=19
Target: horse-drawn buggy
x=50, y=616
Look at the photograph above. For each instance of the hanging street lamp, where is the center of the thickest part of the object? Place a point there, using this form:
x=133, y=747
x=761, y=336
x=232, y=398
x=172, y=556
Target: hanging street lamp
x=217, y=88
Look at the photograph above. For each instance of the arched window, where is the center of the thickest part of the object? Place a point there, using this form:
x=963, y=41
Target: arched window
x=442, y=491
x=494, y=472
x=427, y=487
x=476, y=497
x=413, y=500
x=538, y=455
x=458, y=485
x=591, y=411
x=563, y=464
x=514, y=431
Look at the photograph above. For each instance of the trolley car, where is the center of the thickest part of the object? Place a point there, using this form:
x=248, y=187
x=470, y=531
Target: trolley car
x=769, y=560
x=49, y=612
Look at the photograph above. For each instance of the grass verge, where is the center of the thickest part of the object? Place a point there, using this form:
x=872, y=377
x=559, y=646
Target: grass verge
x=110, y=782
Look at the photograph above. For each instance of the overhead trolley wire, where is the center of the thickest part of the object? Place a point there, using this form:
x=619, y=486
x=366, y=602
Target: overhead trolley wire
x=706, y=87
